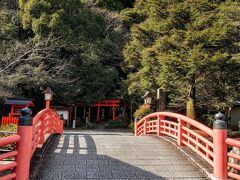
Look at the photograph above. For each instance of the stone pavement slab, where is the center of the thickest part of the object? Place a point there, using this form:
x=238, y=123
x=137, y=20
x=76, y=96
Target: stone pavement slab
x=114, y=155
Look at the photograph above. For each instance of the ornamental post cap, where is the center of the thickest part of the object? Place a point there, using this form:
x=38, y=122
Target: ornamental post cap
x=26, y=112
x=220, y=116
x=220, y=121
x=25, y=119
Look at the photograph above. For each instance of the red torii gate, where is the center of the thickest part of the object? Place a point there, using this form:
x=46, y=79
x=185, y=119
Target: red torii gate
x=107, y=103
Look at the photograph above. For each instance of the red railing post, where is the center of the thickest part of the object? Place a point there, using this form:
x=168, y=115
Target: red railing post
x=180, y=132
x=220, y=147
x=145, y=126
x=24, y=146
x=135, y=126
x=160, y=118
x=52, y=124
x=41, y=141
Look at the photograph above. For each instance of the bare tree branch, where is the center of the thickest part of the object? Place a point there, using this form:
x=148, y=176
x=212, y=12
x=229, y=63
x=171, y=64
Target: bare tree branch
x=63, y=81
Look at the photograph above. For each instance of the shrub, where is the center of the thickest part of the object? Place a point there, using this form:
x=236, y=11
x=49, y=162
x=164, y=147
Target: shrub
x=90, y=126
x=142, y=111
x=131, y=126
x=110, y=5
x=209, y=119
x=8, y=128
x=116, y=124
x=233, y=134
x=120, y=122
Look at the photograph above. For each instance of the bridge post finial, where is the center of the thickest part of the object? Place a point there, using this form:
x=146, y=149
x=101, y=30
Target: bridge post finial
x=24, y=146
x=220, y=121
x=25, y=119
x=220, y=146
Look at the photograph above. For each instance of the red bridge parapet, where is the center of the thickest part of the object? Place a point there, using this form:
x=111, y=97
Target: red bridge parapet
x=31, y=133
x=210, y=144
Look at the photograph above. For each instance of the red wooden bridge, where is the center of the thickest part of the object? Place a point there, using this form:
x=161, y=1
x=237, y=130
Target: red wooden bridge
x=31, y=134
x=210, y=144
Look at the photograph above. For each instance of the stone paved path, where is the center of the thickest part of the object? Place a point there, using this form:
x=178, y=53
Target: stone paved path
x=105, y=155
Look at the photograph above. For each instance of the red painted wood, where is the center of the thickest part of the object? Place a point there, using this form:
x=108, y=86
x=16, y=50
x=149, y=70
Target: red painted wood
x=234, y=176
x=107, y=103
x=9, y=120
x=9, y=140
x=210, y=144
x=98, y=113
x=12, y=109
x=8, y=155
x=24, y=152
x=220, y=153
x=113, y=113
x=28, y=138
x=160, y=118
x=180, y=132
x=9, y=176
x=8, y=166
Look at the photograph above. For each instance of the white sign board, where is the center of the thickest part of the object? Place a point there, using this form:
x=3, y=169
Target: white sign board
x=63, y=113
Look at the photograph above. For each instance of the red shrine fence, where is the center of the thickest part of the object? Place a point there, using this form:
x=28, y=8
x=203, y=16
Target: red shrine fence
x=9, y=120
x=210, y=144
x=30, y=134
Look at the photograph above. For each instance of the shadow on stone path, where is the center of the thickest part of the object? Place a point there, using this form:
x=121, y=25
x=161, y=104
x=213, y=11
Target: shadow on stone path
x=103, y=155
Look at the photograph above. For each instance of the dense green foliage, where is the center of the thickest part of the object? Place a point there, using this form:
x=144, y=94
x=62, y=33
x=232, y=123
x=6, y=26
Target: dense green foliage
x=118, y=123
x=63, y=44
x=8, y=128
x=142, y=111
x=5, y=131
x=191, y=48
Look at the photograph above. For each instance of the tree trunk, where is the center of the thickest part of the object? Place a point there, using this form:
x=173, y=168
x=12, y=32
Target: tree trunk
x=190, y=109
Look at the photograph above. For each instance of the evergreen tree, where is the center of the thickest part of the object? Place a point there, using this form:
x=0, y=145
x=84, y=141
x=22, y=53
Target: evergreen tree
x=189, y=47
x=58, y=43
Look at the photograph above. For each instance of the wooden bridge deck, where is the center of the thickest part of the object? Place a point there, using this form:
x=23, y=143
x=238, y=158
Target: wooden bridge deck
x=111, y=155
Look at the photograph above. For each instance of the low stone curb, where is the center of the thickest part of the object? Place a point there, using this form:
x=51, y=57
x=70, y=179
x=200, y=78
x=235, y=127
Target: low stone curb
x=194, y=158
x=38, y=156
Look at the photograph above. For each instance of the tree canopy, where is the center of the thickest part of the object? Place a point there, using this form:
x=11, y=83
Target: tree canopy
x=63, y=44
x=191, y=48
x=95, y=49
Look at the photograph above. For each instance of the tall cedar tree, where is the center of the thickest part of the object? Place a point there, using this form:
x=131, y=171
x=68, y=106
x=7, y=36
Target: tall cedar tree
x=189, y=47
x=57, y=43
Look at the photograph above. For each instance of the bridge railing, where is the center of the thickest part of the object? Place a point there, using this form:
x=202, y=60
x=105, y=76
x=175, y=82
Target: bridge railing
x=206, y=142
x=3, y=142
x=234, y=165
x=9, y=120
x=30, y=134
x=45, y=123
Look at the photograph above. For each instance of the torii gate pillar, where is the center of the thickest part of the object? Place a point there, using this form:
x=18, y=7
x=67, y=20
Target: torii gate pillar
x=107, y=103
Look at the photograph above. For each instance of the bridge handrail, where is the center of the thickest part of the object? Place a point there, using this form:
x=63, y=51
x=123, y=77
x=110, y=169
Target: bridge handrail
x=46, y=122
x=234, y=164
x=193, y=122
x=7, y=141
x=179, y=130
x=210, y=144
x=30, y=134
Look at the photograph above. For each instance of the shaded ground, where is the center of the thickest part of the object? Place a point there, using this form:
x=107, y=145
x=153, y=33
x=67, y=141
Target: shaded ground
x=106, y=155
